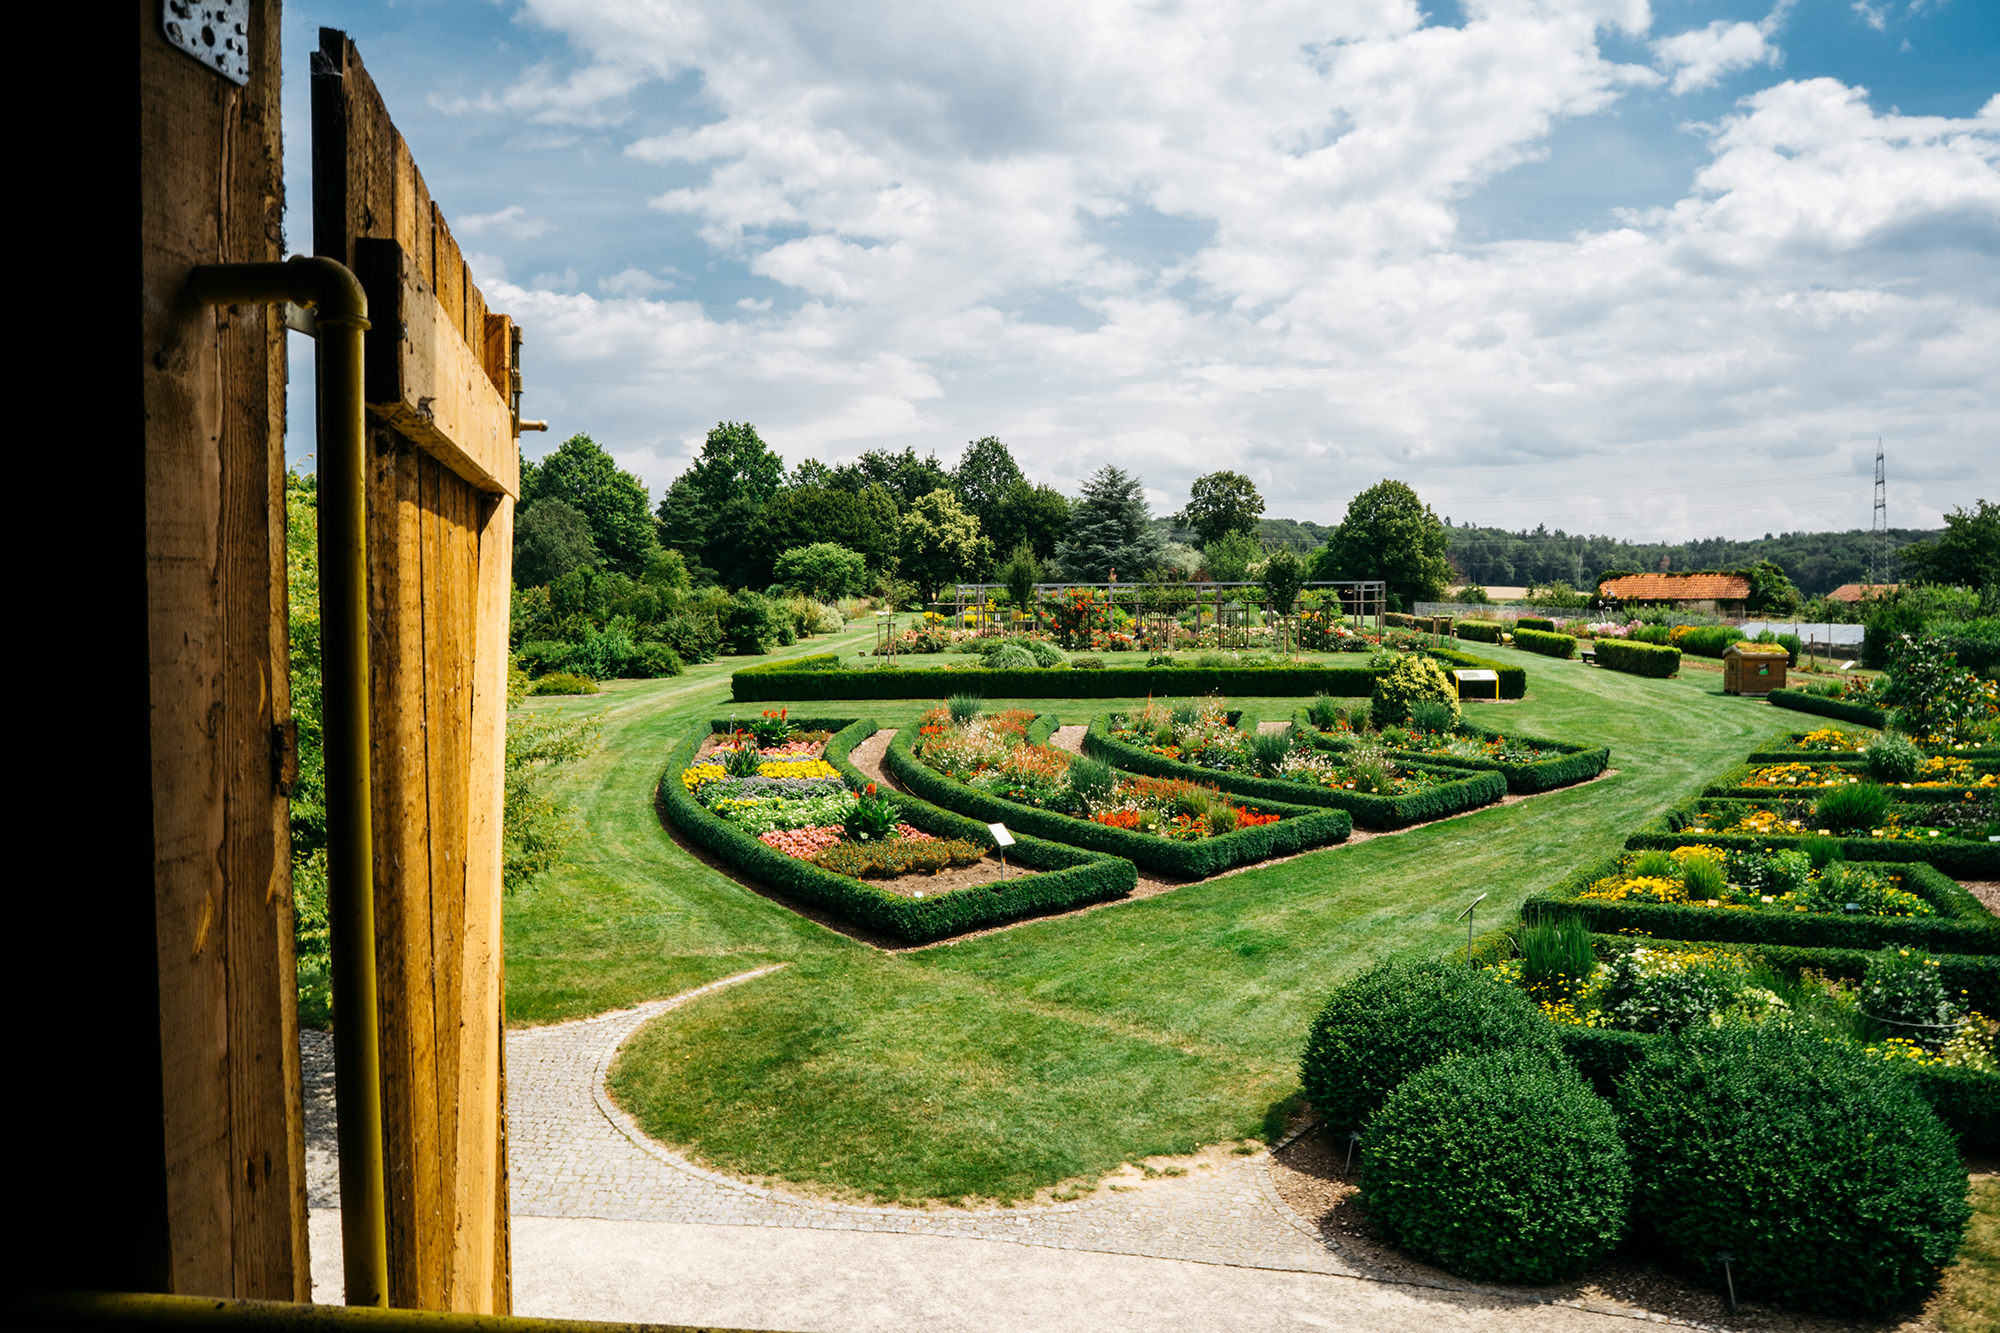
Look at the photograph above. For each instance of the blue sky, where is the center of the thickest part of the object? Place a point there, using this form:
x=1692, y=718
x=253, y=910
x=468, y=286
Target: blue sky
x=1661, y=270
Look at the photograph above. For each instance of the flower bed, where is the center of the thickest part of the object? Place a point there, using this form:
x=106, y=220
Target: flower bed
x=773, y=828
x=1379, y=791
x=1744, y=881
x=1941, y=778
x=1957, y=922
x=1528, y=764
x=1187, y=828
x=1638, y=991
x=825, y=676
x=1833, y=745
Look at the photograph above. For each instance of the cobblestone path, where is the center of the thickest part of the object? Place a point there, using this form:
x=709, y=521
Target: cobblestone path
x=575, y=1154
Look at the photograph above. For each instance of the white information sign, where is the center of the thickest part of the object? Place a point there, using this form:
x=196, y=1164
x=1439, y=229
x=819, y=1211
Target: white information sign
x=1000, y=834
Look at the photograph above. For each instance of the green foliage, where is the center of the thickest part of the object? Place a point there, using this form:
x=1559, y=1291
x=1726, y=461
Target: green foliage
x=1110, y=529
x=823, y=570
x=1011, y=657
x=940, y=543
x=1548, y=645
x=1893, y=758
x=742, y=762
x=1501, y=1166
x=1967, y=554
x=963, y=707
x=1021, y=573
x=862, y=521
x=1412, y=677
x=1930, y=696
x=1557, y=951
x=1034, y=516
x=1092, y=780
x=537, y=828
x=752, y=626
x=1220, y=503
x=985, y=475
x=1905, y=989
x=1392, y=535
x=905, y=477
x=873, y=818
x=1324, y=713
x=551, y=537
x=1379, y=1028
x=564, y=682
x=1479, y=631
x=1801, y=702
x=1824, y=1176
x=1535, y=622
x=1433, y=715
x=1850, y=809
x=1230, y=556
x=1640, y=659
x=895, y=857
x=613, y=501
x=1284, y=574
x=1268, y=750
x=1472, y=595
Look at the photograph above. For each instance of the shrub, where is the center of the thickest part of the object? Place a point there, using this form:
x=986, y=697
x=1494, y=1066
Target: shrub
x=1893, y=758
x=1904, y=990
x=1502, y=1166
x=1432, y=715
x=1638, y=659
x=1011, y=657
x=564, y=682
x=1412, y=677
x=1548, y=645
x=1379, y=1028
x=1845, y=809
x=1479, y=631
x=753, y=624
x=1536, y=622
x=1045, y=653
x=1822, y=1173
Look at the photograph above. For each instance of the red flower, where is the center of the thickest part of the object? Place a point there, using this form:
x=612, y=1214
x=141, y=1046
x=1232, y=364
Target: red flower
x=871, y=789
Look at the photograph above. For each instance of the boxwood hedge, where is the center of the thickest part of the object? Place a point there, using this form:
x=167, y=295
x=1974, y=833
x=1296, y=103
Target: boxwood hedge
x=1638, y=659
x=1068, y=877
x=822, y=676
x=1962, y=924
x=1372, y=812
x=1571, y=763
x=1801, y=702
x=1479, y=631
x=1956, y=857
x=1302, y=827
x=1985, y=758
x=1545, y=642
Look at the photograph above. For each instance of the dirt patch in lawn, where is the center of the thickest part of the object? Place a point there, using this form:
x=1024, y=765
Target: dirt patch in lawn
x=1986, y=890
x=1309, y=1174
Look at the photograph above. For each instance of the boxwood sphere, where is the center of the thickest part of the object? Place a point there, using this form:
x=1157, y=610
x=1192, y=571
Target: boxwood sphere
x=1502, y=1166
x=1397, y=1018
x=1824, y=1174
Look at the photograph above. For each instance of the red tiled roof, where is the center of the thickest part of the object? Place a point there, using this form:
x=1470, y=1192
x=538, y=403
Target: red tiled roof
x=1854, y=592
x=1677, y=588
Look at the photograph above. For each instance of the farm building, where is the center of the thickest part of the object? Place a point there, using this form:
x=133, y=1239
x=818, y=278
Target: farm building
x=1723, y=594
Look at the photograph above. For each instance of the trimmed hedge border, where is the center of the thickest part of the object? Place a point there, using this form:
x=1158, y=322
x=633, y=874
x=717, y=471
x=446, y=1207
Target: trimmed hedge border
x=1962, y=926
x=1967, y=1101
x=1542, y=623
x=1302, y=828
x=1369, y=811
x=1069, y=877
x=1985, y=758
x=1638, y=659
x=1480, y=631
x=1801, y=702
x=1953, y=856
x=1730, y=788
x=821, y=676
x=1546, y=642
x=1574, y=763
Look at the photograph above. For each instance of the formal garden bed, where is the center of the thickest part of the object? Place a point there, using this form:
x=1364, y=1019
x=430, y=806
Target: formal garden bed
x=1001, y=769
x=1837, y=745
x=775, y=804
x=1528, y=764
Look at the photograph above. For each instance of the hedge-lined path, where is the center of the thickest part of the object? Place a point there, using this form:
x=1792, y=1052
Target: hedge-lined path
x=573, y=1154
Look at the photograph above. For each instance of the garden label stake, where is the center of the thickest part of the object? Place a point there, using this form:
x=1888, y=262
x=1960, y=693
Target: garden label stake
x=1353, y=1137
x=1002, y=840
x=1727, y=1258
x=1466, y=917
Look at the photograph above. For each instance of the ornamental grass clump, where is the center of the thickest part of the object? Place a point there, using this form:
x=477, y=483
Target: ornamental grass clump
x=1092, y=780
x=1268, y=751
x=1324, y=713
x=1379, y=1028
x=1852, y=809
x=1893, y=758
x=1501, y=1166
x=1822, y=1173
x=1556, y=954
x=963, y=708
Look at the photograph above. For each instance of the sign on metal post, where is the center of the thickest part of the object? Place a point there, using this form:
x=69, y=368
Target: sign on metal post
x=1002, y=840
x=1466, y=917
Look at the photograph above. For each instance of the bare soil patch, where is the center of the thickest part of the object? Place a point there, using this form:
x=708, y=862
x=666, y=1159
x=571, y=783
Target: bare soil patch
x=1986, y=890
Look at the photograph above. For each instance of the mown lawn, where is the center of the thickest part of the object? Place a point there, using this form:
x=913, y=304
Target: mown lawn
x=1058, y=1049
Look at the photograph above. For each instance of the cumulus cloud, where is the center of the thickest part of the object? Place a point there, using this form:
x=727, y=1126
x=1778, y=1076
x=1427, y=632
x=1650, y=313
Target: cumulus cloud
x=512, y=222
x=1700, y=57
x=934, y=192
x=633, y=282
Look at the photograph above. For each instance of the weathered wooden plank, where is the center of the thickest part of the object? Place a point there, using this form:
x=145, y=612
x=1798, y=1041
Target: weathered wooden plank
x=499, y=356
x=436, y=391
x=424, y=253
x=210, y=192
x=475, y=319
x=449, y=266
x=482, y=1145
x=412, y=228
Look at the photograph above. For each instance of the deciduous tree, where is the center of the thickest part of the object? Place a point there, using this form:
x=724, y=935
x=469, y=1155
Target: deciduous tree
x=614, y=501
x=1388, y=534
x=1222, y=502
x=941, y=543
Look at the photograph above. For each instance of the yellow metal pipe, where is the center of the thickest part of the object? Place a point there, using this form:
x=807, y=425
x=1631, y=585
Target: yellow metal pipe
x=341, y=312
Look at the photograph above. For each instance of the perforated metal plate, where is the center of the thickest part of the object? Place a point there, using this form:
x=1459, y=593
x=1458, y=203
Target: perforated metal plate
x=216, y=34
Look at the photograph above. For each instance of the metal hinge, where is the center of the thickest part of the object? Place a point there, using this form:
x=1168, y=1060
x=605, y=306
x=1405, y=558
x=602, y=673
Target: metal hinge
x=215, y=32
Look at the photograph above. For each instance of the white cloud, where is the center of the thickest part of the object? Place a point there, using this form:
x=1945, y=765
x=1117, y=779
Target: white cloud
x=633, y=282
x=512, y=221
x=1700, y=57
x=1875, y=16
x=564, y=281
x=935, y=189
